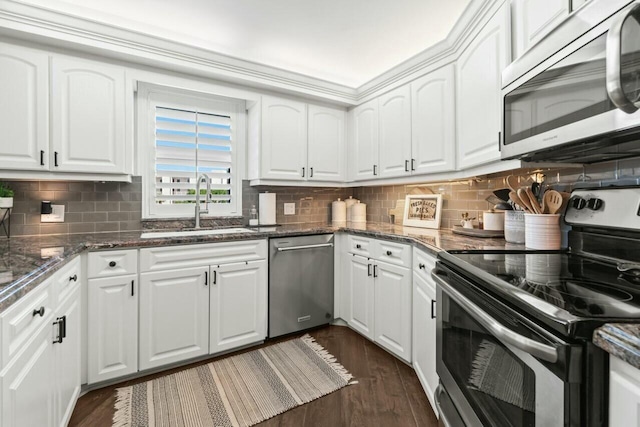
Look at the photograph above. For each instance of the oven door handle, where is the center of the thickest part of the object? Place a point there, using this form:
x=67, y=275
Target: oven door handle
x=506, y=335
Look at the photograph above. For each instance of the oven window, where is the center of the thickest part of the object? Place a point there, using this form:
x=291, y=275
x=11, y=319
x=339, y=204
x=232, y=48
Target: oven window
x=499, y=387
x=571, y=90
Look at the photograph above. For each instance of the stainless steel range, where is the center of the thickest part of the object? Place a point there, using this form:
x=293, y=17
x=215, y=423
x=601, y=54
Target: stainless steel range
x=514, y=327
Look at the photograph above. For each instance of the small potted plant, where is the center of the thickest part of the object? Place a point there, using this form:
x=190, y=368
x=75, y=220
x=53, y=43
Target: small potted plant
x=6, y=196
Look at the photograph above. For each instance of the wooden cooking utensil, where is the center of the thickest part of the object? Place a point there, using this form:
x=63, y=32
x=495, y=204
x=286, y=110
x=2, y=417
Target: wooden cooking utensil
x=522, y=195
x=533, y=201
x=553, y=201
x=512, y=182
x=515, y=199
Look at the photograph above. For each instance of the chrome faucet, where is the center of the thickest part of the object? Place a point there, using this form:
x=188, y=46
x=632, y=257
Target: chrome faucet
x=207, y=197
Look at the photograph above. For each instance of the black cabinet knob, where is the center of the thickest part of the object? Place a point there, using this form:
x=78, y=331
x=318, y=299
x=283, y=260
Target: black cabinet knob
x=39, y=311
x=112, y=264
x=74, y=278
x=421, y=266
x=358, y=246
x=389, y=253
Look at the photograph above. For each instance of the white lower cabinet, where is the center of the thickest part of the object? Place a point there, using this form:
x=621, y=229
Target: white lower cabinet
x=378, y=298
x=238, y=305
x=624, y=394
x=424, y=323
x=112, y=313
x=174, y=316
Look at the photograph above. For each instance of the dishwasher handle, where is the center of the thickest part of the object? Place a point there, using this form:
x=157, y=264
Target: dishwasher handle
x=296, y=248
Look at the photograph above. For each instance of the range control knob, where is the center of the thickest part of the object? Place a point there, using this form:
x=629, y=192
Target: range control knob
x=595, y=204
x=578, y=203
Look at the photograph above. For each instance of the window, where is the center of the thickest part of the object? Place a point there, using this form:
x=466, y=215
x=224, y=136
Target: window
x=190, y=137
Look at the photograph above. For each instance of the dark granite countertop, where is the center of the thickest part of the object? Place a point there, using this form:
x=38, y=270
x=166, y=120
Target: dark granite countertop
x=27, y=261
x=620, y=340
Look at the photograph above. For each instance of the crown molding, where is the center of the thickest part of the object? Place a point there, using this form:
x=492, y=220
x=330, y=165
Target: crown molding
x=63, y=30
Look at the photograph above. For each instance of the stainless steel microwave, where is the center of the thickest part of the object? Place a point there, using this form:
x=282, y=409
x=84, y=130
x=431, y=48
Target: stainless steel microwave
x=574, y=97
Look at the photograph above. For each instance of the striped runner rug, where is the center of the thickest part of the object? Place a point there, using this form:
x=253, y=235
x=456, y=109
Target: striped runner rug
x=240, y=390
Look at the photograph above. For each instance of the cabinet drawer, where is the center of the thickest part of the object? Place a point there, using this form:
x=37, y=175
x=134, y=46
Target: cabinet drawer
x=360, y=245
x=423, y=263
x=67, y=279
x=392, y=253
x=112, y=263
x=166, y=258
x=19, y=323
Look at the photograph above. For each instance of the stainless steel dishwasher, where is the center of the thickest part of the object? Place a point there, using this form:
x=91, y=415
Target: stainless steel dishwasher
x=300, y=283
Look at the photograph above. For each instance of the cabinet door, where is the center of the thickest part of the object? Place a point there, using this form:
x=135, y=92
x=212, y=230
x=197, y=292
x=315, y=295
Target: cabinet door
x=433, y=144
x=24, y=110
x=624, y=394
x=424, y=335
x=284, y=139
x=393, y=309
x=479, y=86
x=363, y=153
x=533, y=19
x=174, y=316
x=360, y=295
x=88, y=117
x=112, y=314
x=27, y=385
x=395, y=132
x=326, y=144
x=238, y=305
x=67, y=360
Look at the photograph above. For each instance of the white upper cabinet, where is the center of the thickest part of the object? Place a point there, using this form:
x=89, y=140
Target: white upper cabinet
x=433, y=144
x=24, y=110
x=478, y=85
x=88, y=116
x=284, y=139
x=395, y=132
x=326, y=150
x=363, y=148
x=533, y=19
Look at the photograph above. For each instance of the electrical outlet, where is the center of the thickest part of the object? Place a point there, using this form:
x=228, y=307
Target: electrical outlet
x=289, y=208
x=56, y=215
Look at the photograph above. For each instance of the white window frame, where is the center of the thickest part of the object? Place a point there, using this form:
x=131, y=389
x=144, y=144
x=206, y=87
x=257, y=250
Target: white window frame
x=149, y=97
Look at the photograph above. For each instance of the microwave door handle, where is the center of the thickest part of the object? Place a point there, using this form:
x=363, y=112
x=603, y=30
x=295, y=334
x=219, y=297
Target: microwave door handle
x=614, y=62
x=534, y=348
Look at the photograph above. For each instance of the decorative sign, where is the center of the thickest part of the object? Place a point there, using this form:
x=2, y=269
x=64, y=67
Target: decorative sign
x=423, y=210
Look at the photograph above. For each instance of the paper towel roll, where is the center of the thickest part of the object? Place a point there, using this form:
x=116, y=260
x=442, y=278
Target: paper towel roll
x=359, y=212
x=267, y=202
x=350, y=202
x=338, y=211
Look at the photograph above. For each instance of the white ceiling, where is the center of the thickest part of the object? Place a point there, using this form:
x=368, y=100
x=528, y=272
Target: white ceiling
x=342, y=41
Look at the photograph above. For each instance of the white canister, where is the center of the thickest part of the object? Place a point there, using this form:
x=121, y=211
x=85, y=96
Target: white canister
x=514, y=226
x=339, y=212
x=542, y=231
x=359, y=213
x=349, y=203
x=493, y=220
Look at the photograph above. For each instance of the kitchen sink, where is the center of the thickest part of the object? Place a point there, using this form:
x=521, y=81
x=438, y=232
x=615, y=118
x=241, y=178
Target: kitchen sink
x=187, y=233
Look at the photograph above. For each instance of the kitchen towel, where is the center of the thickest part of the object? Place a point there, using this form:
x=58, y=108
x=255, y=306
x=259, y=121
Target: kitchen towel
x=267, y=208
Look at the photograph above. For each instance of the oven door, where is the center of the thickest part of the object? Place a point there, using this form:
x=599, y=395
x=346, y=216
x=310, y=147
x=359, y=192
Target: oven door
x=562, y=109
x=499, y=369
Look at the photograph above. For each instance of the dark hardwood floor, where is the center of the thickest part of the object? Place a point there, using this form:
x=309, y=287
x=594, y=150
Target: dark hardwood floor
x=388, y=392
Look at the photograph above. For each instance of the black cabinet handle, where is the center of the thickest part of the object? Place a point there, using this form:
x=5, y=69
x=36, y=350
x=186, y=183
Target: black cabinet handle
x=132, y=288
x=499, y=141
x=433, y=309
x=389, y=253
x=60, y=321
x=310, y=172
x=74, y=278
x=55, y=158
x=413, y=164
x=303, y=172
x=64, y=326
x=406, y=165
x=206, y=278
x=112, y=264
x=421, y=266
x=39, y=311
x=375, y=170
x=215, y=277
x=368, y=269
x=41, y=157
x=375, y=270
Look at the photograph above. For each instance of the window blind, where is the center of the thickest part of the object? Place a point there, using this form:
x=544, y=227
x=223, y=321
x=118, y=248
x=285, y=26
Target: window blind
x=187, y=144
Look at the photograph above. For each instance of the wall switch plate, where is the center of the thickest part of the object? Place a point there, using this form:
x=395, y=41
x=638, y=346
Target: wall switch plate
x=56, y=215
x=289, y=208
